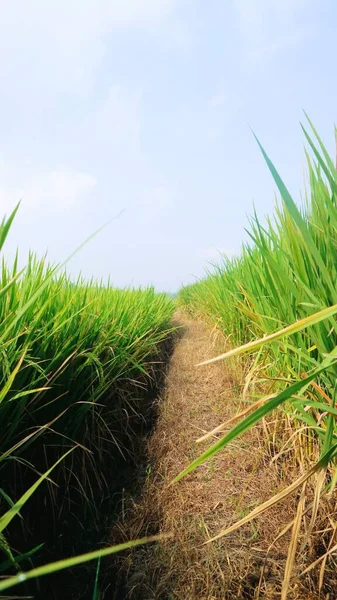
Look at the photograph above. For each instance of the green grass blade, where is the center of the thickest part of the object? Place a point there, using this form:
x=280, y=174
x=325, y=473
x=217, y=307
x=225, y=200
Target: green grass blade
x=286, y=331
x=6, y=225
x=67, y=563
x=15, y=509
x=248, y=422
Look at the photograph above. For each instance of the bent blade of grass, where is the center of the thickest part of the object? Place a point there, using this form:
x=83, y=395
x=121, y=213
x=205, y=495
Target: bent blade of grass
x=293, y=545
x=316, y=562
x=248, y=422
x=29, y=392
x=331, y=178
x=322, y=146
x=31, y=436
x=324, y=561
x=66, y=563
x=6, y=225
x=289, y=330
x=5, y=389
x=321, y=464
x=328, y=441
x=10, y=283
x=318, y=405
x=6, y=564
x=243, y=413
x=14, y=510
x=317, y=496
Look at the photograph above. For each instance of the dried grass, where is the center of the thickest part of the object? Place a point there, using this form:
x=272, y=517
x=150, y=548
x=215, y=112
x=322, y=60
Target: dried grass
x=250, y=562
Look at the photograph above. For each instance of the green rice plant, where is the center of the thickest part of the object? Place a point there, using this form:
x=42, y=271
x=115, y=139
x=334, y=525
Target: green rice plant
x=70, y=354
x=277, y=301
x=68, y=348
x=68, y=563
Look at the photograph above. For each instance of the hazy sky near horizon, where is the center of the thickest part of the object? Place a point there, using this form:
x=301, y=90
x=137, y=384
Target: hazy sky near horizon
x=144, y=107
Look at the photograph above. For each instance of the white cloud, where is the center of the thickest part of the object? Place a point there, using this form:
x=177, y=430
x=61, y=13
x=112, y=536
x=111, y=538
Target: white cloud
x=270, y=26
x=47, y=193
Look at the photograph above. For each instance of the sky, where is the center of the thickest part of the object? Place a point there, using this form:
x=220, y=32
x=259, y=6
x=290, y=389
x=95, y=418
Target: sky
x=139, y=114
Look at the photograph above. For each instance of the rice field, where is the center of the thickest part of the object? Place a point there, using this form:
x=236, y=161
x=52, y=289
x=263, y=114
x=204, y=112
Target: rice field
x=76, y=360
x=285, y=274
x=277, y=303
x=79, y=359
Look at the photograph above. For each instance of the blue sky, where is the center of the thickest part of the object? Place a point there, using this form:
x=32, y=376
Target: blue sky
x=143, y=106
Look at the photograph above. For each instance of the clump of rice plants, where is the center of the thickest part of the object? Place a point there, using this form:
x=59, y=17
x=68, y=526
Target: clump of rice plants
x=76, y=360
x=278, y=302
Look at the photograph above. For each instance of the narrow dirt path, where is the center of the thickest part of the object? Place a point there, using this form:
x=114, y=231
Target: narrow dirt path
x=217, y=494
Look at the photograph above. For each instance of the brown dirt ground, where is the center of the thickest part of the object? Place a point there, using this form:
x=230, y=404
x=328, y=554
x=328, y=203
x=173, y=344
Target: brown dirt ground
x=215, y=495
